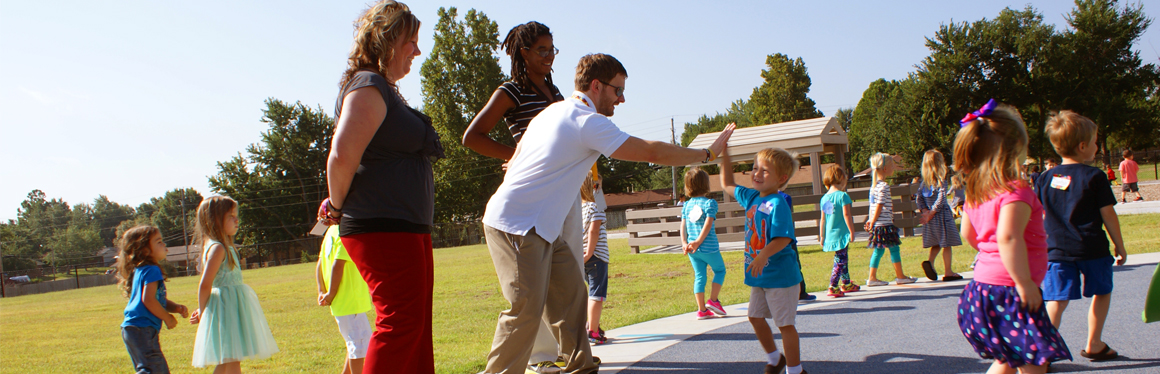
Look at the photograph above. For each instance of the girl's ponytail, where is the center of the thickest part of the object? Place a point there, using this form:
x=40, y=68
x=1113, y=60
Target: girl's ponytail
x=987, y=151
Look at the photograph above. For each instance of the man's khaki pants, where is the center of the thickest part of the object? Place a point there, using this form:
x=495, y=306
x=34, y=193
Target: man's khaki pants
x=542, y=281
x=545, y=347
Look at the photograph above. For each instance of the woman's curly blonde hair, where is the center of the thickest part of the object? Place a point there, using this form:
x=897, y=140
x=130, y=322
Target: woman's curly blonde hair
x=376, y=33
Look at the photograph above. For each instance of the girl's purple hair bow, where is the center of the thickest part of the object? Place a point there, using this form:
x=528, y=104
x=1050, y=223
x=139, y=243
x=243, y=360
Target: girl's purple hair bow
x=982, y=112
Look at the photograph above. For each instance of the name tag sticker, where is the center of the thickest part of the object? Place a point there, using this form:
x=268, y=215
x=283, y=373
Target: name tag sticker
x=695, y=213
x=766, y=207
x=1060, y=182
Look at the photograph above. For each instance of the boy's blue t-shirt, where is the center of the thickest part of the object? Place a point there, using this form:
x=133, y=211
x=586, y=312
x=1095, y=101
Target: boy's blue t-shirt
x=837, y=234
x=136, y=314
x=767, y=218
x=1072, y=196
x=694, y=213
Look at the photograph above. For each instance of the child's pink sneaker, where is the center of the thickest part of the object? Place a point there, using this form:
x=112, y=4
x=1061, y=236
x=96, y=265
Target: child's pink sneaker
x=835, y=292
x=715, y=306
x=705, y=314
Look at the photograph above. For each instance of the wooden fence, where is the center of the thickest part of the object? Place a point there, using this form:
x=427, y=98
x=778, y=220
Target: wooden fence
x=662, y=226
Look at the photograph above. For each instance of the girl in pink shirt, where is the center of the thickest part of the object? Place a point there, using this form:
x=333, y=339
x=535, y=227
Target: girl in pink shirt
x=1001, y=311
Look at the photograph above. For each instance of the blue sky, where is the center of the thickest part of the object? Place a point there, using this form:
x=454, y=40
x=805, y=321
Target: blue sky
x=134, y=98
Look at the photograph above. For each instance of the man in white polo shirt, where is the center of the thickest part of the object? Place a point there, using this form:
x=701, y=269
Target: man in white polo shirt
x=537, y=271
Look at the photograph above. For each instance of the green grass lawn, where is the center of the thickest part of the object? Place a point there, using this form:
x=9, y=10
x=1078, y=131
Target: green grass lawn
x=77, y=330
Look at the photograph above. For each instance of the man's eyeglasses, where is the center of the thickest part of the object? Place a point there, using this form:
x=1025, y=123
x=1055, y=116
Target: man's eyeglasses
x=545, y=52
x=619, y=90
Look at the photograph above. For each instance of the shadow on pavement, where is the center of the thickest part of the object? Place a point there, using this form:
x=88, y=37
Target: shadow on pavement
x=885, y=363
x=902, y=363
x=949, y=293
x=828, y=311
x=1131, y=267
x=1122, y=363
x=749, y=336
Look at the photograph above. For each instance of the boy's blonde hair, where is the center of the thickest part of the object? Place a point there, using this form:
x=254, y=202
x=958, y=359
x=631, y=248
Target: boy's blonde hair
x=878, y=161
x=587, y=189
x=834, y=175
x=211, y=215
x=934, y=169
x=696, y=182
x=988, y=151
x=782, y=161
x=1067, y=129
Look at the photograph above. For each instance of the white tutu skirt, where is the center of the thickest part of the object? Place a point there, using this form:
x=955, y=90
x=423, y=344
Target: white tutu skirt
x=232, y=328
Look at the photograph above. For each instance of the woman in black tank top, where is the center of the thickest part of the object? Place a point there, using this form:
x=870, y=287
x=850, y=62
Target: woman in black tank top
x=381, y=186
x=518, y=101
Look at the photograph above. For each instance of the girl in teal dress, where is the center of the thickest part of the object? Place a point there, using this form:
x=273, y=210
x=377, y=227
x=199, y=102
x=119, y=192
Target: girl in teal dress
x=232, y=325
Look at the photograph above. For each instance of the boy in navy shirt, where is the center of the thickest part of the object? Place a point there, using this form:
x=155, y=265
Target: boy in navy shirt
x=771, y=266
x=1079, y=203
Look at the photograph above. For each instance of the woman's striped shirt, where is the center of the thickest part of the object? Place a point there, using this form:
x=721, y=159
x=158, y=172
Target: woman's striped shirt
x=529, y=103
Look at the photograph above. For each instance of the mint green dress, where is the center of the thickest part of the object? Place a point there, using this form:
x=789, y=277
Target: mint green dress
x=232, y=327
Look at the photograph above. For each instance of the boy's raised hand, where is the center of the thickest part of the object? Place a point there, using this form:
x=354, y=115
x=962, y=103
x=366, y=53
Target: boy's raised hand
x=182, y=310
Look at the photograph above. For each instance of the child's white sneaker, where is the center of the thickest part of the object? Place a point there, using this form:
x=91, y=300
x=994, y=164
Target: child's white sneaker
x=907, y=280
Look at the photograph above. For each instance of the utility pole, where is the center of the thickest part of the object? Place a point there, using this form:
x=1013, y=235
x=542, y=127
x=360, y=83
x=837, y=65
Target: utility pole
x=185, y=231
x=673, y=129
x=3, y=277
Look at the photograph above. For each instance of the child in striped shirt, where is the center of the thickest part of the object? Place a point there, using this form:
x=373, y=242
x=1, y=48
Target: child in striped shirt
x=880, y=224
x=595, y=257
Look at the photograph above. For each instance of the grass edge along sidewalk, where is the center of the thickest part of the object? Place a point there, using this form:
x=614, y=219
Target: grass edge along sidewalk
x=78, y=330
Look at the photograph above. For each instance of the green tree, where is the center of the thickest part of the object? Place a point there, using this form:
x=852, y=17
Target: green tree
x=76, y=244
x=458, y=78
x=107, y=216
x=279, y=181
x=783, y=97
x=1101, y=77
x=969, y=64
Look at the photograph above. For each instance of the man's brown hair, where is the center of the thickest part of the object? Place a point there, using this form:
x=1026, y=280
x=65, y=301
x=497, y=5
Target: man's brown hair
x=597, y=66
x=1067, y=129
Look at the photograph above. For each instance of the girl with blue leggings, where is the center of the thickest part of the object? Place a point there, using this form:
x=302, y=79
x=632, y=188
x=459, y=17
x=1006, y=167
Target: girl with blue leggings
x=880, y=224
x=697, y=218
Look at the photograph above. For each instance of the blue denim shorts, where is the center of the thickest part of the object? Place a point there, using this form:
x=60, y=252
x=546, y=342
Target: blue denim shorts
x=597, y=273
x=144, y=349
x=1062, y=281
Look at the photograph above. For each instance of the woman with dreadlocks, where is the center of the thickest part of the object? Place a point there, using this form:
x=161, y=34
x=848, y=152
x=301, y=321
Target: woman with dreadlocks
x=517, y=102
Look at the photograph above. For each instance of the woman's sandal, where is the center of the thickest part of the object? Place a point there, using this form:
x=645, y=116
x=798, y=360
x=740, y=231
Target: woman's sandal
x=1104, y=355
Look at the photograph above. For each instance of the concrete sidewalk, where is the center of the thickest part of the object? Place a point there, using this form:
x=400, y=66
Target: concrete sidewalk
x=638, y=347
